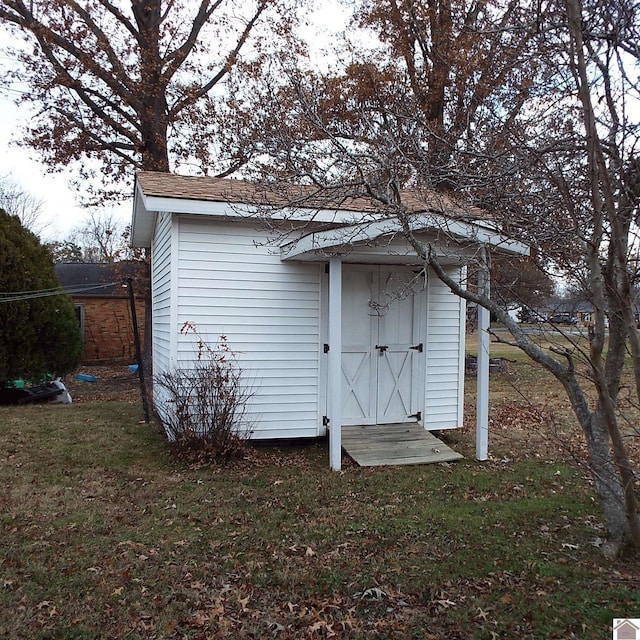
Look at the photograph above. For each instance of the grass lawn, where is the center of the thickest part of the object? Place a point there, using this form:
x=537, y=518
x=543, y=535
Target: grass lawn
x=105, y=536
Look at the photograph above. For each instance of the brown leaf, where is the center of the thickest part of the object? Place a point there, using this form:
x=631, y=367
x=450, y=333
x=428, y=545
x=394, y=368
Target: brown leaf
x=243, y=603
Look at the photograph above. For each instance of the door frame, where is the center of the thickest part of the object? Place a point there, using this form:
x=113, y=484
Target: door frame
x=418, y=363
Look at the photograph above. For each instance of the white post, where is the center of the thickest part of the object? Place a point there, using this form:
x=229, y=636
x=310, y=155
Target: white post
x=335, y=363
x=482, y=403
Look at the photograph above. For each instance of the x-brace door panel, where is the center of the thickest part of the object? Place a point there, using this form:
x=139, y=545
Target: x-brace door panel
x=379, y=358
x=358, y=358
x=398, y=330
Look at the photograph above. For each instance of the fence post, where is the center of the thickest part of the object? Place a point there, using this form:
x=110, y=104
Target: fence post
x=136, y=341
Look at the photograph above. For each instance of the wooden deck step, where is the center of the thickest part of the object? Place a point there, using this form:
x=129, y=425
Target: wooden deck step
x=394, y=444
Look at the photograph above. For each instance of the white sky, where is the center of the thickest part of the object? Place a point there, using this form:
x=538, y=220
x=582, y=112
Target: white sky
x=61, y=203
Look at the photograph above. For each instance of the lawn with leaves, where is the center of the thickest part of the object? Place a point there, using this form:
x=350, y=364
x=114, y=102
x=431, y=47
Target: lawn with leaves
x=105, y=536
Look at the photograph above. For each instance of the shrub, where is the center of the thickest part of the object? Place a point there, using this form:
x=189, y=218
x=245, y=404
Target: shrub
x=39, y=332
x=205, y=403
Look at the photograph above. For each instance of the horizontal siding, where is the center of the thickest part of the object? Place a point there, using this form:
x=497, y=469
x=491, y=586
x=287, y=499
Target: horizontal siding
x=443, y=384
x=161, y=297
x=268, y=310
x=161, y=303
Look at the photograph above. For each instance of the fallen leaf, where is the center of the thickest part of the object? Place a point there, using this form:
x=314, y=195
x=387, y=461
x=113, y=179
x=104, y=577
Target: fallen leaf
x=199, y=619
x=373, y=593
x=445, y=604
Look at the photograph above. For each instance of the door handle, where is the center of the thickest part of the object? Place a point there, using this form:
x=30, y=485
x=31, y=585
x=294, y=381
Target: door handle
x=381, y=348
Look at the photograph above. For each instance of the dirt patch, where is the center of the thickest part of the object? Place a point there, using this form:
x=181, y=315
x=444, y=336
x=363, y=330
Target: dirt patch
x=111, y=384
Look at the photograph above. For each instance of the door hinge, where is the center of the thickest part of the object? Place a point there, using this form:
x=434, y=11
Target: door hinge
x=325, y=421
x=417, y=415
x=325, y=348
x=417, y=347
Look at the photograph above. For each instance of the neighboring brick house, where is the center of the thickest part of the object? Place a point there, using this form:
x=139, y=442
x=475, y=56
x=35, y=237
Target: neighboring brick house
x=101, y=300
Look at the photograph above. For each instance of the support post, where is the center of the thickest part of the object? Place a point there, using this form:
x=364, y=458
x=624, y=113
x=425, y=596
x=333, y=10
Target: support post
x=136, y=342
x=482, y=402
x=335, y=363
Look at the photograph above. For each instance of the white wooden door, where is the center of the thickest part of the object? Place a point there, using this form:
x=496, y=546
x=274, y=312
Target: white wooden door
x=359, y=329
x=381, y=353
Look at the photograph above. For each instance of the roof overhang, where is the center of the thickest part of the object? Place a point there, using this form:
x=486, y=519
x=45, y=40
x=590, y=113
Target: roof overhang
x=371, y=240
x=146, y=207
x=142, y=221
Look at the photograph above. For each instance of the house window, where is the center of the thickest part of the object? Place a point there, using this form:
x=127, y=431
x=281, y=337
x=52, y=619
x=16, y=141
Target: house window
x=79, y=309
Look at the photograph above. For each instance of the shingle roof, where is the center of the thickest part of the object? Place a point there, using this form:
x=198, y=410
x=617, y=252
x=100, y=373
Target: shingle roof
x=169, y=185
x=87, y=279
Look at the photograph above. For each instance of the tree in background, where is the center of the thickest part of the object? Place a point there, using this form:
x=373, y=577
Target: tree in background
x=39, y=334
x=101, y=238
x=519, y=281
x=65, y=251
x=132, y=85
x=17, y=201
x=525, y=111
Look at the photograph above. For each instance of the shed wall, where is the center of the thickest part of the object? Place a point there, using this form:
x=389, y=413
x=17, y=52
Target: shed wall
x=268, y=310
x=161, y=278
x=444, y=383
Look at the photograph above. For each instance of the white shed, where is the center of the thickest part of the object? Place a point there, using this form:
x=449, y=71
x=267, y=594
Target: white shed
x=338, y=324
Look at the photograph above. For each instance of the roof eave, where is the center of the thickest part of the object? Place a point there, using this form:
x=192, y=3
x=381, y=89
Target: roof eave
x=344, y=238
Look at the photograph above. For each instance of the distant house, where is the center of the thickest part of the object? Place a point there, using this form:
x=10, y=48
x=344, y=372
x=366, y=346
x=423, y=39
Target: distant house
x=101, y=301
x=580, y=312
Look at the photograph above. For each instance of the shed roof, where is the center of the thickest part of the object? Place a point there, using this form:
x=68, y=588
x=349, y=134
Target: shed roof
x=330, y=209
x=169, y=185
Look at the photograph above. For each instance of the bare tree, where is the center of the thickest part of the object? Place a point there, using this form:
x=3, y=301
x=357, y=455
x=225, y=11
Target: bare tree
x=524, y=112
x=101, y=238
x=17, y=201
x=137, y=84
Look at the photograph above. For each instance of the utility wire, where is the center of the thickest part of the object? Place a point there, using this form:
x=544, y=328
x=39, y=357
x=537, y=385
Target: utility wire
x=44, y=293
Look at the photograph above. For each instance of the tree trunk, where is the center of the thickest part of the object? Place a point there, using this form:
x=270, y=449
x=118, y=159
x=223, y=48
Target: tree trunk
x=155, y=156
x=153, y=108
x=599, y=432
x=607, y=485
x=597, y=428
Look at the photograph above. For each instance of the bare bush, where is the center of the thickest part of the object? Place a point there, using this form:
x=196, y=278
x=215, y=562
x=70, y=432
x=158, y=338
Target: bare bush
x=205, y=403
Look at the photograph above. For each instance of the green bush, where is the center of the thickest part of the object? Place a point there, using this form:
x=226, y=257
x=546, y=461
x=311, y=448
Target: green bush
x=39, y=334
